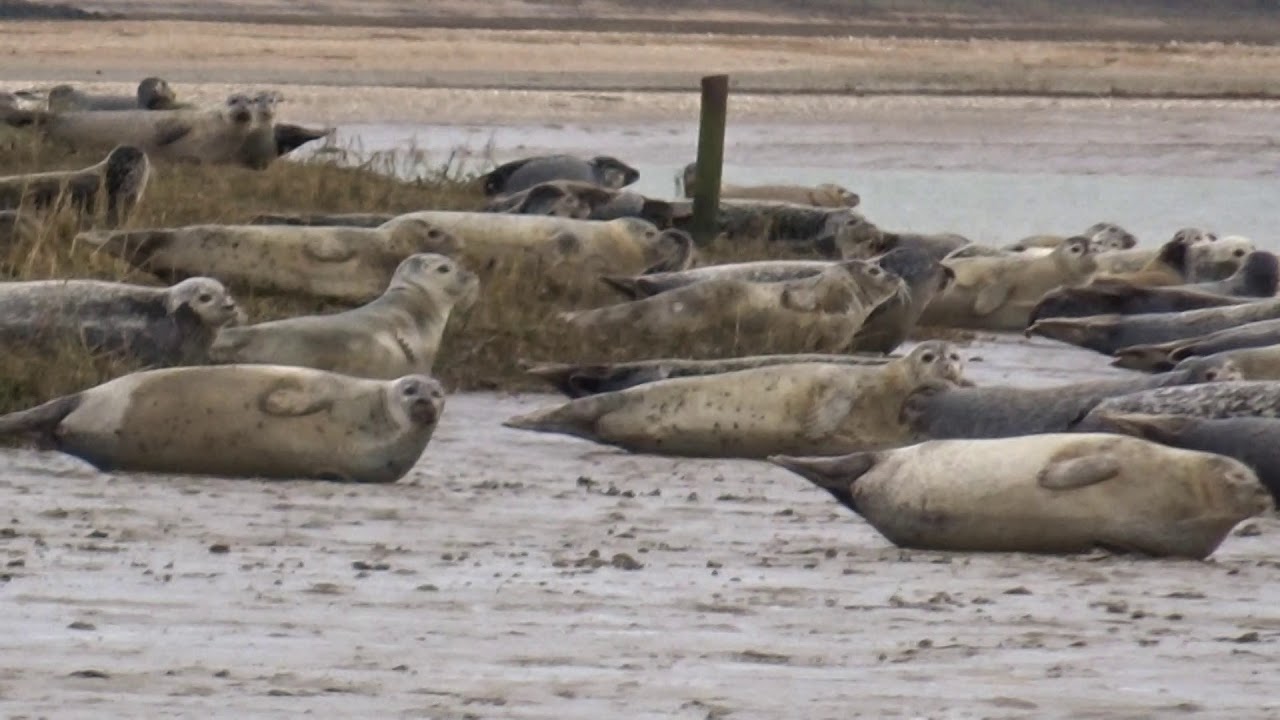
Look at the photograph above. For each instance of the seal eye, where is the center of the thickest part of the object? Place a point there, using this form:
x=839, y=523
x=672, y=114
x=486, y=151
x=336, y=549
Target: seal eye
x=205, y=298
x=955, y=357
x=927, y=357
x=1238, y=253
x=410, y=390
x=1211, y=375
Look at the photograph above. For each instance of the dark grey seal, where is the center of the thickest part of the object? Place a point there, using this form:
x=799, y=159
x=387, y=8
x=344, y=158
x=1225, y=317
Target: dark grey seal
x=1163, y=356
x=804, y=228
x=889, y=324
x=154, y=325
x=1117, y=297
x=518, y=175
x=1212, y=401
x=1109, y=333
x=941, y=413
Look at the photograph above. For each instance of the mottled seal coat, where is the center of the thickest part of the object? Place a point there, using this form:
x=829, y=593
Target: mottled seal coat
x=332, y=262
x=563, y=248
x=998, y=293
x=1217, y=260
x=818, y=312
x=1257, y=276
x=1055, y=493
x=1233, y=398
x=821, y=195
x=582, y=201
x=153, y=93
x=1254, y=441
x=120, y=178
x=517, y=175
x=805, y=408
x=1116, y=297
x=243, y=421
x=1107, y=334
x=638, y=287
x=799, y=227
x=1159, y=357
x=1254, y=363
x=397, y=334
x=577, y=380
x=154, y=325
x=943, y=413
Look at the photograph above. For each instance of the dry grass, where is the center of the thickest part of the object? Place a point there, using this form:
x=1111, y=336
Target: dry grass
x=514, y=318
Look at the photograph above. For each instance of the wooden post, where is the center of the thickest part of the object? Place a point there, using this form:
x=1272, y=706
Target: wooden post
x=706, y=191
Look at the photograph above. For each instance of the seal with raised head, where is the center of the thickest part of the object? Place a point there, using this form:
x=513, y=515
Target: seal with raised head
x=1117, y=297
x=243, y=421
x=944, y=413
x=397, y=334
x=1170, y=266
x=1103, y=237
x=892, y=321
x=342, y=263
x=517, y=175
x=1107, y=334
x=998, y=293
x=579, y=380
x=153, y=93
x=153, y=325
x=1054, y=493
x=1232, y=398
x=1159, y=357
x=121, y=178
x=1133, y=260
x=805, y=408
x=1218, y=259
x=1257, y=276
x=822, y=195
x=820, y=312
x=1254, y=441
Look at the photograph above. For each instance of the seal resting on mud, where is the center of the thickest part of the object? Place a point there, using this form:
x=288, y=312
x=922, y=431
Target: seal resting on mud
x=243, y=421
x=998, y=293
x=153, y=93
x=1257, y=276
x=342, y=263
x=154, y=325
x=804, y=408
x=121, y=177
x=1233, y=398
x=1159, y=357
x=517, y=175
x=1117, y=297
x=398, y=334
x=1254, y=441
x=1055, y=493
x=1119, y=262
x=822, y=195
x=1217, y=260
x=1107, y=334
x=581, y=380
x=820, y=311
x=945, y=413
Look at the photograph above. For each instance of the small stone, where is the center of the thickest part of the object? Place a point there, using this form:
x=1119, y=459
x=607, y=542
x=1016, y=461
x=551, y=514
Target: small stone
x=427, y=588
x=1020, y=590
x=93, y=674
x=623, y=561
x=82, y=625
x=219, y=548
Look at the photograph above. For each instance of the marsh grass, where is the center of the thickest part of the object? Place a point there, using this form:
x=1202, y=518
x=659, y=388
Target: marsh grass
x=513, y=319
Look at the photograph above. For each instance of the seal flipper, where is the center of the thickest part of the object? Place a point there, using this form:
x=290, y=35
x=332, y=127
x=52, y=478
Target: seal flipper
x=1157, y=428
x=627, y=286
x=990, y=298
x=836, y=475
x=1150, y=358
x=577, y=418
x=169, y=132
x=291, y=137
x=328, y=249
x=290, y=398
x=1078, y=472
x=42, y=420
x=227, y=344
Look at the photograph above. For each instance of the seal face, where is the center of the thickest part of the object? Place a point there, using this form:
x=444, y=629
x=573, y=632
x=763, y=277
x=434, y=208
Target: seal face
x=1055, y=493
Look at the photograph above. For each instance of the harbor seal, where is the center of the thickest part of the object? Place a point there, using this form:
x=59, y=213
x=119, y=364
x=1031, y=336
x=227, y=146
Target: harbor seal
x=1253, y=441
x=517, y=175
x=1055, y=493
x=1257, y=276
x=1103, y=237
x=1107, y=334
x=152, y=325
x=243, y=421
x=395, y=335
x=1117, y=297
x=341, y=263
x=805, y=408
x=1170, y=266
x=1159, y=357
x=890, y=322
x=289, y=137
x=583, y=201
x=866, y=240
x=578, y=380
x=822, y=195
x=1119, y=262
x=944, y=413
x=121, y=177
x=1254, y=363
x=820, y=313
x=1218, y=259
x=998, y=293
x=153, y=93
x=1216, y=400
x=638, y=287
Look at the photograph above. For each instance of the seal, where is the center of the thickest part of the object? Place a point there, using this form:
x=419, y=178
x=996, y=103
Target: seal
x=1254, y=363
x=395, y=335
x=1055, y=493
x=576, y=380
x=153, y=94
x=892, y=321
x=1107, y=334
x=361, y=220
x=1136, y=259
x=152, y=325
x=1159, y=357
x=818, y=312
x=822, y=195
x=1257, y=276
x=1103, y=237
x=1170, y=266
x=804, y=408
x=938, y=245
x=1253, y=441
x=583, y=201
x=802, y=228
x=998, y=293
x=121, y=178
x=638, y=287
x=1217, y=260
x=517, y=175
x=946, y=413
x=341, y=263
x=1228, y=399
x=289, y=137
x=1117, y=297
x=243, y=421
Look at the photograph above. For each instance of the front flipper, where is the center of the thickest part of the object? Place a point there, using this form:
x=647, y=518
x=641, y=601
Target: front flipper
x=1078, y=472
x=328, y=249
x=295, y=398
x=991, y=298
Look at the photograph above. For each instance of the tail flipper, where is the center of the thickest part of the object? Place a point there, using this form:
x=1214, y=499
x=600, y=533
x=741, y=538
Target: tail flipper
x=40, y=421
x=577, y=418
x=836, y=475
